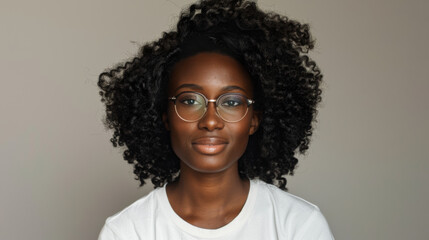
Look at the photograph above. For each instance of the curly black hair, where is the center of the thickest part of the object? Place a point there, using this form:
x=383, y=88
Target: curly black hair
x=274, y=51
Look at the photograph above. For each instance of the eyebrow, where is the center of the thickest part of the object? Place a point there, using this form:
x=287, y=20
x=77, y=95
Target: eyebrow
x=188, y=85
x=229, y=88
x=198, y=87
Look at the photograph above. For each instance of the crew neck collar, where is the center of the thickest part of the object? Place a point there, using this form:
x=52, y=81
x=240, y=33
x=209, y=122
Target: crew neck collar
x=236, y=223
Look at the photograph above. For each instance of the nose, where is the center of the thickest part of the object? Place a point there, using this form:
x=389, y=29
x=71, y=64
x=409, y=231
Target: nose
x=211, y=121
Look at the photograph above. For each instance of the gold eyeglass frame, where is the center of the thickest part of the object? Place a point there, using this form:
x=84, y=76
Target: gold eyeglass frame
x=207, y=101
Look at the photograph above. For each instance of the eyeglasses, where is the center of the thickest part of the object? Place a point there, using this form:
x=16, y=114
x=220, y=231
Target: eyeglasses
x=192, y=106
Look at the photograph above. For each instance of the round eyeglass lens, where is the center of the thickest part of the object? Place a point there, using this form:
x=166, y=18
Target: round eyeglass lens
x=190, y=106
x=232, y=107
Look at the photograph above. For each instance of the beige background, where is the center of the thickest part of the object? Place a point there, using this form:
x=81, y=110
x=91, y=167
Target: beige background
x=60, y=177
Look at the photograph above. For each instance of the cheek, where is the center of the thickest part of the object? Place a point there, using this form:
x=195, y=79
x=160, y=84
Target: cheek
x=179, y=133
x=241, y=136
x=178, y=142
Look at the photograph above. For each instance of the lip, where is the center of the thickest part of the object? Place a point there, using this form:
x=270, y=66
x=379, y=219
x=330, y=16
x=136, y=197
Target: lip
x=209, y=145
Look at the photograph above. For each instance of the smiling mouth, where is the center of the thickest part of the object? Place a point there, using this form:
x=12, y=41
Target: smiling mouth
x=209, y=146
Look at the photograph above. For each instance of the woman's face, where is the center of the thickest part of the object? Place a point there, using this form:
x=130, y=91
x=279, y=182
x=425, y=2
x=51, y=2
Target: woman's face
x=210, y=144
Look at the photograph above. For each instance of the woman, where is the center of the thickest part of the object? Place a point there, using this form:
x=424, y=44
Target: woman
x=213, y=114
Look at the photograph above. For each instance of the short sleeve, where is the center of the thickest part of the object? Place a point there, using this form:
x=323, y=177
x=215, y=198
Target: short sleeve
x=107, y=234
x=315, y=228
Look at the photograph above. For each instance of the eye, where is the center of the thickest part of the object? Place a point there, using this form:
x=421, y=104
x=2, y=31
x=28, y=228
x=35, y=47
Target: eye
x=190, y=99
x=231, y=102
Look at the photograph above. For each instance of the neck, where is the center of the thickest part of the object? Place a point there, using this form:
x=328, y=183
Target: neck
x=196, y=191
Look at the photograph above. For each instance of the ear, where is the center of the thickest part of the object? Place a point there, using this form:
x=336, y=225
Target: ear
x=254, y=124
x=165, y=120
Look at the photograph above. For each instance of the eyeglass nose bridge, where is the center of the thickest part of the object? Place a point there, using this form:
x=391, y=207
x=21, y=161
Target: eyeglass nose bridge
x=211, y=100
x=207, y=108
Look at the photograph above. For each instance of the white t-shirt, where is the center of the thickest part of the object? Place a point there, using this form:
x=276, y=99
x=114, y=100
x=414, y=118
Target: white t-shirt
x=269, y=213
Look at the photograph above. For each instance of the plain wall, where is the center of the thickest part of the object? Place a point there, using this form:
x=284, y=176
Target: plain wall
x=60, y=178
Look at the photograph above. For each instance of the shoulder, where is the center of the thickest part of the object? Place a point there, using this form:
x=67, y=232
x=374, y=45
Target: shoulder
x=285, y=201
x=141, y=212
x=297, y=217
x=141, y=208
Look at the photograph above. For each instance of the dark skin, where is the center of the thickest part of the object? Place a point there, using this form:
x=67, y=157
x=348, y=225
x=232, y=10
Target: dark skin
x=209, y=193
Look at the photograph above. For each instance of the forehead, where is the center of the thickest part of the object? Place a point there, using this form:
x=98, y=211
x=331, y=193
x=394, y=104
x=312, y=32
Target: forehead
x=212, y=72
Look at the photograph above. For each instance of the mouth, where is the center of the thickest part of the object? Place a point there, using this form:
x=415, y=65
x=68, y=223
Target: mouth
x=209, y=145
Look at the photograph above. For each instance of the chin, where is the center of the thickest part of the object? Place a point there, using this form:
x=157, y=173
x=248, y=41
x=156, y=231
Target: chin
x=207, y=165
